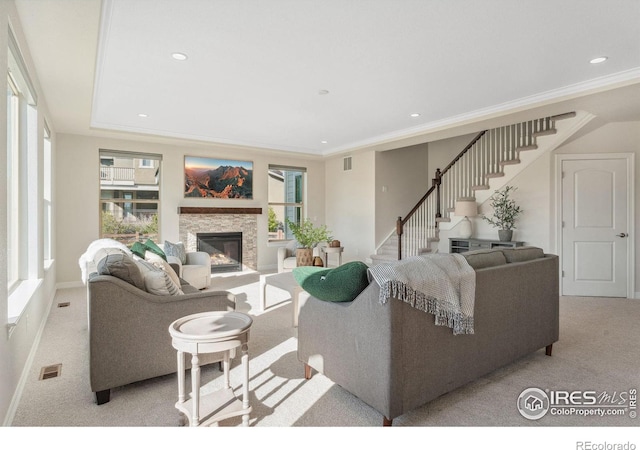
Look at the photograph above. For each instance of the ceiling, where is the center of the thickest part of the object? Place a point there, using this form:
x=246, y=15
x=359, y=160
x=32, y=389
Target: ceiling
x=326, y=76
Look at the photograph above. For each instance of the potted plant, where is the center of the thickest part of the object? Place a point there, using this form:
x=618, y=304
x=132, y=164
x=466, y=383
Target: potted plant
x=505, y=212
x=308, y=236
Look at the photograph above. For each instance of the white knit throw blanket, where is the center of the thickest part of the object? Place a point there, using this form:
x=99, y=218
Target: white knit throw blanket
x=441, y=284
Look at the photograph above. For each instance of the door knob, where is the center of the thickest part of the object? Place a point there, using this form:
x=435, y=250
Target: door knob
x=623, y=235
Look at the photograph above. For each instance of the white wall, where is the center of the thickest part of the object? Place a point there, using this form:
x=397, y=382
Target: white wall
x=16, y=345
x=78, y=191
x=350, y=204
x=401, y=179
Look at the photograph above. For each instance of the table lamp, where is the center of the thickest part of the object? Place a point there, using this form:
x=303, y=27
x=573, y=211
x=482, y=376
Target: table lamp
x=467, y=207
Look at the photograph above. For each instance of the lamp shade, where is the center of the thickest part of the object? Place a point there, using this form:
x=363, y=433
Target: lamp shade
x=466, y=207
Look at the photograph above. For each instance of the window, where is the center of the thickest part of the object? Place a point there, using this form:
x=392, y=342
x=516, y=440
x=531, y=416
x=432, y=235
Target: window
x=286, y=200
x=24, y=212
x=129, y=196
x=47, y=197
x=13, y=184
x=22, y=175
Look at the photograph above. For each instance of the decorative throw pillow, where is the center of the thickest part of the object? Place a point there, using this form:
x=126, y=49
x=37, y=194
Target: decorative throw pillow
x=480, y=259
x=165, y=266
x=121, y=266
x=102, y=253
x=342, y=284
x=177, y=250
x=292, y=246
x=152, y=258
x=144, y=266
x=138, y=249
x=153, y=247
x=160, y=283
x=521, y=254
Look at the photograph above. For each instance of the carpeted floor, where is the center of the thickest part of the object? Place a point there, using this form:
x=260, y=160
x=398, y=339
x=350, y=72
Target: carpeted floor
x=598, y=350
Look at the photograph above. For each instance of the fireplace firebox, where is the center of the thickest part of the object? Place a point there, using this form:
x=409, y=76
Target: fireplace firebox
x=225, y=250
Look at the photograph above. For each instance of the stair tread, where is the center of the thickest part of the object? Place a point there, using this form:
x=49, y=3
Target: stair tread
x=510, y=162
x=384, y=257
x=548, y=132
x=480, y=187
x=495, y=175
x=527, y=147
x=568, y=115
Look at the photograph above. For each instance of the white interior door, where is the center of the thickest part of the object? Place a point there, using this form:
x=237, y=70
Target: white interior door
x=595, y=227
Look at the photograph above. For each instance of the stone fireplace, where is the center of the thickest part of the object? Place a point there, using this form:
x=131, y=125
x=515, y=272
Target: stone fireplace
x=194, y=221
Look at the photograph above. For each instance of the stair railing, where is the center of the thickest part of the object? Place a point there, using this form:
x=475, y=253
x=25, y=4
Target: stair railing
x=421, y=221
x=483, y=158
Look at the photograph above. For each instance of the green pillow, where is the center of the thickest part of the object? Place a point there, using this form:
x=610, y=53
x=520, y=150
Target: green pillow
x=138, y=249
x=153, y=248
x=342, y=284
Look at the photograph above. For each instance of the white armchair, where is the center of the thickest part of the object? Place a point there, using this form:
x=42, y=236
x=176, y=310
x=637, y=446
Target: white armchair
x=287, y=258
x=196, y=271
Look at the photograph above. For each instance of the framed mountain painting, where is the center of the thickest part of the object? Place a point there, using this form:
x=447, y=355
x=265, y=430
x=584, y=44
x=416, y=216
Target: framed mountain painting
x=217, y=178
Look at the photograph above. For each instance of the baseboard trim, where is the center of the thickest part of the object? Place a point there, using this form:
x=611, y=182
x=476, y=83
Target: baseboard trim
x=69, y=284
x=268, y=267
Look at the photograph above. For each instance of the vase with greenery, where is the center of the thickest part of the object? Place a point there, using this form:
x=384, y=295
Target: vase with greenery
x=308, y=236
x=505, y=212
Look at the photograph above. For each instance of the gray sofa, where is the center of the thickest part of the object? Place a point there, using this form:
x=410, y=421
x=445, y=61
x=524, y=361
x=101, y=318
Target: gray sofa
x=129, y=330
x=394, y=358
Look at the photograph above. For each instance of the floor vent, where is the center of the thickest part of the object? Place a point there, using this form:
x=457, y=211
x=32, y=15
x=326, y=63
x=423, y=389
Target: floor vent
x=50, y=371
x=64, y=304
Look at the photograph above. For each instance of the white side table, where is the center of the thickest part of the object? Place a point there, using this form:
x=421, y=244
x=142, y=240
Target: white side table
x=212, y=332
x=336, y=250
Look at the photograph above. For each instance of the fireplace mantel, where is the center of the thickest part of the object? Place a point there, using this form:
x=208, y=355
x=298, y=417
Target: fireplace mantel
x=209, y=210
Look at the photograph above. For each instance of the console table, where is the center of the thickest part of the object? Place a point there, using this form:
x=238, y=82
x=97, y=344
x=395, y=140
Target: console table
x=212, y=332
x=461, y=245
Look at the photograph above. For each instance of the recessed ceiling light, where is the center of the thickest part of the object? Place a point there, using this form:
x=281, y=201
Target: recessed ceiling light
x=415, y=115
x=323, y=142
x=598, y=60
x=323, y=92
x=179, y=56
x=143, y=115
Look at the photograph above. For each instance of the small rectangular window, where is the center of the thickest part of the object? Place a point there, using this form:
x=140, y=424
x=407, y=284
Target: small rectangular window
x=129, y=196
x=286, y=200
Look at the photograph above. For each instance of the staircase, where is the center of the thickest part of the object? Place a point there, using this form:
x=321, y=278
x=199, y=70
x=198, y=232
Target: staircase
x=487, y=163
